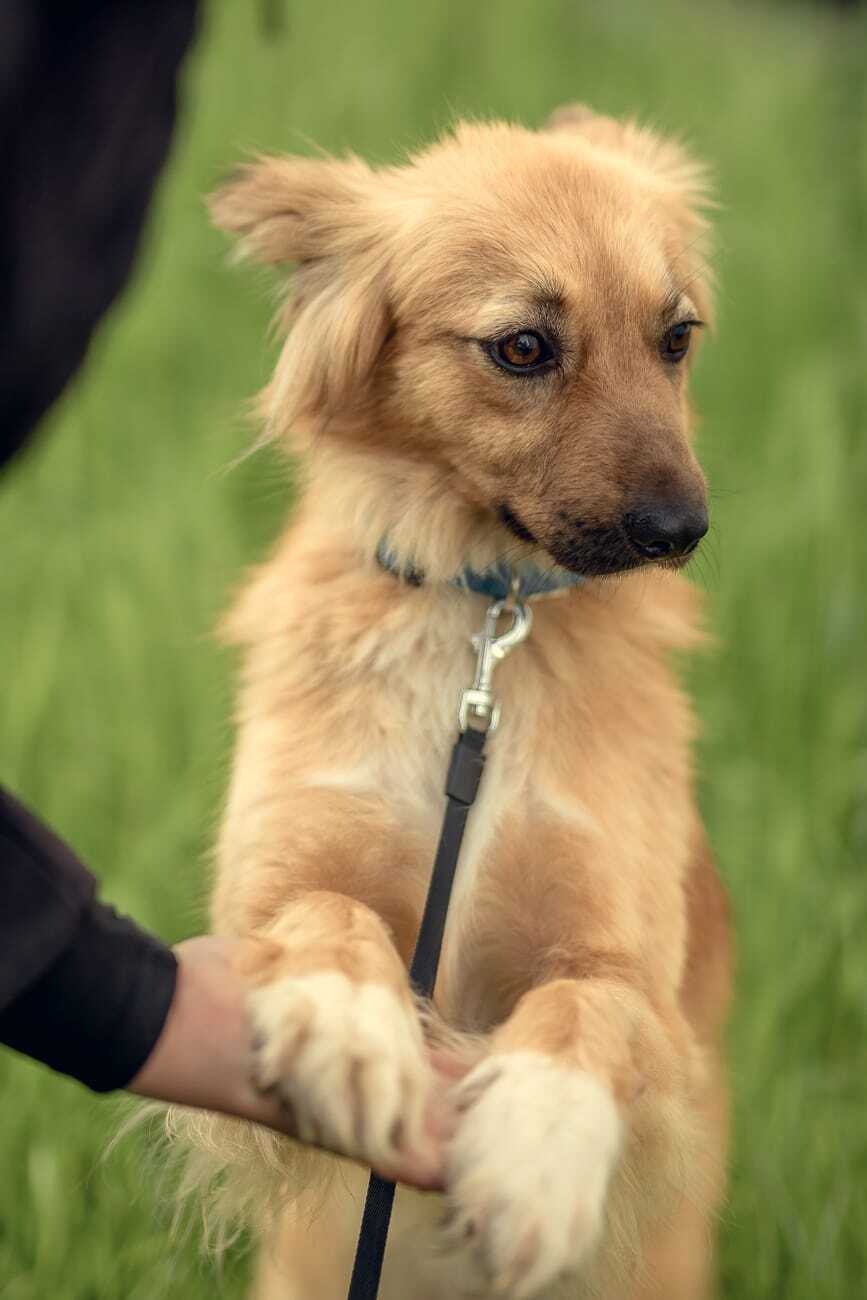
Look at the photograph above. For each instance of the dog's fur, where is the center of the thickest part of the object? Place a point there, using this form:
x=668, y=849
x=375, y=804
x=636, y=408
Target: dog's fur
x=587, y=939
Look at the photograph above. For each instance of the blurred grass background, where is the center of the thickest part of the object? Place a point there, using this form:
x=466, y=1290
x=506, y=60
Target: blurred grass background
x=124, y=532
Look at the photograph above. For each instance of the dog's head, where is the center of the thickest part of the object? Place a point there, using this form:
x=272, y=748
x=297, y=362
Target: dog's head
x=518, y=309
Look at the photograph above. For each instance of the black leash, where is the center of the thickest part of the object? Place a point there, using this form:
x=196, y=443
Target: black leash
x=462, y=786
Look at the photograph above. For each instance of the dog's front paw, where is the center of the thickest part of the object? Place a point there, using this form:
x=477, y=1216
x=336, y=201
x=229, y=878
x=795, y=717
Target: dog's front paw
x=528, y=1169
x=347, y=1061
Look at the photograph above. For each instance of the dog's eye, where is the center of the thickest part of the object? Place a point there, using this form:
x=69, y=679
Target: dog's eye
x=675, y=342
x=521, y=352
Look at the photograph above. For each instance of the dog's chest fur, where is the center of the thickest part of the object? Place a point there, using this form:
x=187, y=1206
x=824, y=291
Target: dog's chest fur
x=415, y=676
x=349, y=712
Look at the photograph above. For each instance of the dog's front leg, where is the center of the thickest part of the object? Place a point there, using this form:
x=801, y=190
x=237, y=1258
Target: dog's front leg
x=336, y=1033
x=545, y=1118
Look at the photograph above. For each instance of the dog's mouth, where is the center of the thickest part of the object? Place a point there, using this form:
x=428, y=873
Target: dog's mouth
x=591, y=550
x=507, y=516
x=595, y=551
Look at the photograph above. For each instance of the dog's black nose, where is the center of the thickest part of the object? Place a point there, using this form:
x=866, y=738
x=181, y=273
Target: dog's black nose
x=660, y=528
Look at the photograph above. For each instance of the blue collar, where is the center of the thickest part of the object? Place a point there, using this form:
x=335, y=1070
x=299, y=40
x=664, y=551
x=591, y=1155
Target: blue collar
x=496, y=583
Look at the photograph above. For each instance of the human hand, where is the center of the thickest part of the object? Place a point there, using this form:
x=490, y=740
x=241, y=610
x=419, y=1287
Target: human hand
x=203, y=1057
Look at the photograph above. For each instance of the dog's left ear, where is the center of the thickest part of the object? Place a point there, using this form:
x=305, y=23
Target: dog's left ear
x=679, y=181
x=319, y=214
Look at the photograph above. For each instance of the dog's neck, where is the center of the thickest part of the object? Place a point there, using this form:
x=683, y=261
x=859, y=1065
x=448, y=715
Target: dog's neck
x=497, y=582
x=413, y=512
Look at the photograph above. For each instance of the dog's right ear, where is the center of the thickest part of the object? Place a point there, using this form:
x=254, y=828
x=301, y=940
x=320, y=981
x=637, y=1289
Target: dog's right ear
x=322, y=216
x=292, y=209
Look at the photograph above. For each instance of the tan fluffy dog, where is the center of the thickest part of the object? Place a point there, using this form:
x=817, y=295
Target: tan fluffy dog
x=486, y=357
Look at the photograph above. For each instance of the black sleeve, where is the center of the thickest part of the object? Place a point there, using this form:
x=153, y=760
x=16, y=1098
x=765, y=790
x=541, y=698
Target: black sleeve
x=87, y=110
x=88, y=96
x=82, y=989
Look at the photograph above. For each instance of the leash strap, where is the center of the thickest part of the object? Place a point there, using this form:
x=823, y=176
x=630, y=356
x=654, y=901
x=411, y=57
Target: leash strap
x=479, y=714
x=462, y=785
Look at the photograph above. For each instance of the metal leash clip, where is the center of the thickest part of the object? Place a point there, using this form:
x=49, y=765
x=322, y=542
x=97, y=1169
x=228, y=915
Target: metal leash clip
x=479, y=707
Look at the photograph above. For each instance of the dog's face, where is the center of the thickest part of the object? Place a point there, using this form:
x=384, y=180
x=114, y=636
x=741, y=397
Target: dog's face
x=516, y=308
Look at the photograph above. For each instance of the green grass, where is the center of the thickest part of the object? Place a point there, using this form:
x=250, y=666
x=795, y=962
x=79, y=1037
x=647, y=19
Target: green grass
x=123, y=533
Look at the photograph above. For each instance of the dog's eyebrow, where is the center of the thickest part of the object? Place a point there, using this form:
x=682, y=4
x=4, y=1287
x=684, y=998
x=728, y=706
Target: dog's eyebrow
x=542, y=300
x=548, y=295
x=670, y=303
x=674, y=303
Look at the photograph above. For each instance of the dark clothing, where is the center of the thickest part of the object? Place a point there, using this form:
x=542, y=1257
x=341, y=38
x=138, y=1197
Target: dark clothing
x=81, y=988
x=87, y=110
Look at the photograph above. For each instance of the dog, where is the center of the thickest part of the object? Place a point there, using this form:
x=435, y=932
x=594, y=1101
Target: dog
x=484, y=363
